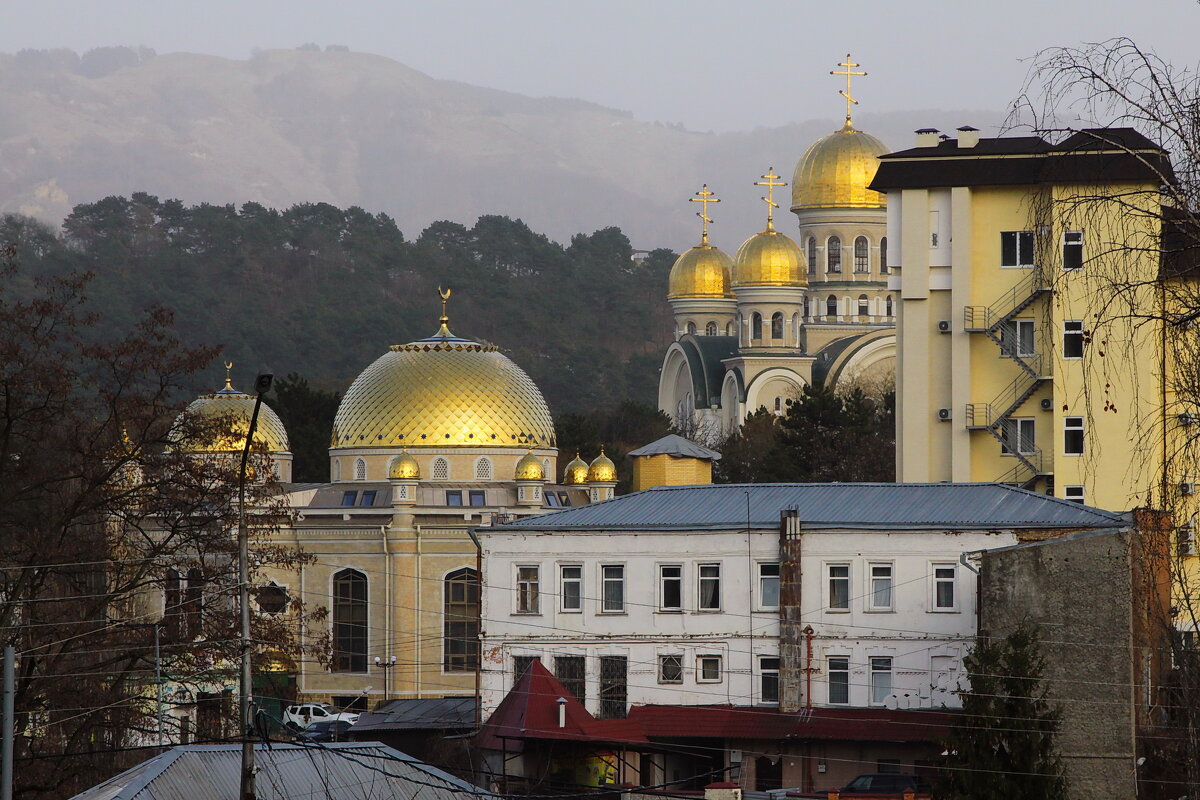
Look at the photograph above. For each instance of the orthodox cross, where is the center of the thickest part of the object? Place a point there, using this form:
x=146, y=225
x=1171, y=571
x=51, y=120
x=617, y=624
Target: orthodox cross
x=445, y=295
x=848, y=72
x=769, y=181
x=704, y=197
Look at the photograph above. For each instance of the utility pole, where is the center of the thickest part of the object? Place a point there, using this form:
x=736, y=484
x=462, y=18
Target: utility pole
x=10, y=697
x=262, y=385
x=158, y=680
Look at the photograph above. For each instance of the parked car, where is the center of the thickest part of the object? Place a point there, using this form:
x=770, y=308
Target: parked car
x=879, y=786
x=301, y=716
x=333, y=730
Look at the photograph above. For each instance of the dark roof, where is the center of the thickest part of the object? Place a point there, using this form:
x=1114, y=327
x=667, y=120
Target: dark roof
x=677, y=446
x=1180, y=245
x=337, y=771
x=890, y=506
x=435, y=713
x=704, y=357
x=751, y=722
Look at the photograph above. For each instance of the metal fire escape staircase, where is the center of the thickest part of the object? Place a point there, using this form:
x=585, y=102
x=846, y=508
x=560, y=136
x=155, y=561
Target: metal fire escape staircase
x=996, y=417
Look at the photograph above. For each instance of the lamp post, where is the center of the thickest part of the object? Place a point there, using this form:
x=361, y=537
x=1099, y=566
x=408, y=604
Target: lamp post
x=262, y=385
x=387, y=665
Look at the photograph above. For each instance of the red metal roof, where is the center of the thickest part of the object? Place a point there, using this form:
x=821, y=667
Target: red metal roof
x=750, y=722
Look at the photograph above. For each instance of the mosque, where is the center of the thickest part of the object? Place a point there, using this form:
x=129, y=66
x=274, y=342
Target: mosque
x=751, y=330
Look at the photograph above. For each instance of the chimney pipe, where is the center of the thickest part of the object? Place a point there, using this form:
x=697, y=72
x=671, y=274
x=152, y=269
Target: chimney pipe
x=968, y=136
x=927, y=137
x=562, y=712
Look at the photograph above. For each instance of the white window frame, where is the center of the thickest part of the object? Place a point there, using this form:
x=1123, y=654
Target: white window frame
x=604, y=581
x=1019, y=422
x=762, y=604
x=1017, y=248
x=700, y=659
x=935, y=581
x=1067, y=331
x=662, y=580
x=763, y=672
x=661, y=658
x=871, y=607
x=521, y=593
x=1017, y=346
x=1075, y=494
x=1069, y=426
x=1067, y=242
x=829, y=579
x=829, y=683
x=700, y=580
x=563, y=580
x=874, y=662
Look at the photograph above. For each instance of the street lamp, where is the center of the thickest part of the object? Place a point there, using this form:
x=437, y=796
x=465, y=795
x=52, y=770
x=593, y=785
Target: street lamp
x=387, y=665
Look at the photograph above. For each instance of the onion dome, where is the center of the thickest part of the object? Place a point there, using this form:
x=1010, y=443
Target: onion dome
x=836, y=170
x=602, y=470
x=231, y=410
x=576, y=472
x=405, y=468
x=769, y=259
x=702, y=271
x=529, y=468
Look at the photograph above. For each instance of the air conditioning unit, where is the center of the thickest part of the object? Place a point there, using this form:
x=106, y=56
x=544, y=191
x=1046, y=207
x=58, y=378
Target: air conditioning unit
x=944, y=414
x=1185, y=540
x=1187, y=487
x=1187, y=419
x=1047, y=404
x=944, y=326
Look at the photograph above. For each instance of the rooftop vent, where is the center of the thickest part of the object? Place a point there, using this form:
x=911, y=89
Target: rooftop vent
x=968, y=136
x=927, y=137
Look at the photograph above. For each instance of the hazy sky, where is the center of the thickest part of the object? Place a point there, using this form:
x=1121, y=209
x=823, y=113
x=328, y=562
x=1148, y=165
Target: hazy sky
x=707, y=64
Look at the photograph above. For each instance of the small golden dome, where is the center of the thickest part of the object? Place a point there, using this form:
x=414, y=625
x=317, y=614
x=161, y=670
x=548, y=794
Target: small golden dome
x=235, y=409
x=405, y=468
x=602, y=470
x=529, y=468
x=576, y=472
x=702, y=271
x=835, y=171
x=769, y=259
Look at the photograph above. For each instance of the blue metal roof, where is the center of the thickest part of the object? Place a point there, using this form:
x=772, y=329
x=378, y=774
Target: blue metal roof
x=894, y=506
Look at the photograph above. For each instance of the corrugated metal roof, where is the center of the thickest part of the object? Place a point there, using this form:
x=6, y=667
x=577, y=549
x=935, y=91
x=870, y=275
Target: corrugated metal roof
x=751, y=722
x=674, y=445
x=434, y=713
x=891, y=506
x=338, y=771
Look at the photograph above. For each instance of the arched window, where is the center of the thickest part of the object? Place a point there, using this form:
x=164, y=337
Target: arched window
x=441, y=469
x=756, y=326
x=691, y=328
x=831, y=308
x=546, y=468
x=778, y=406
x=777, y=325
x=833, y=254
x=807, y=307
x=796, y=318
x=729, y=329
x=337, y=469
x=883, y=267
x=888, y=306
x=710, y=329
x=172, y=605
x=483, y=469
x=812, y=254
x=460, y=630
x=863, y=306
x=360, y=469
x=349, y=621
x=193, y=603
x=862, y=262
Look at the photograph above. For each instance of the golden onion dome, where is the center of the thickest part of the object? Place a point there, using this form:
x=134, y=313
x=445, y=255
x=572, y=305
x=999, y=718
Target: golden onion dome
x=602, y=470
x=443, y=391
x=231, y=410
x=529, y=468
x=769, y=259
x=836, y=170
x=702, y=271
x=405, y=468
x=576, y=472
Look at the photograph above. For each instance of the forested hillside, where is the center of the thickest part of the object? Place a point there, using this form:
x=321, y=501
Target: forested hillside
x=322, y=291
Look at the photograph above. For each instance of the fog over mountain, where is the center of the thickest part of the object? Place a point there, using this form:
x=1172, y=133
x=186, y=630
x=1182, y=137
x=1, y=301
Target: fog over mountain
x=289, y=126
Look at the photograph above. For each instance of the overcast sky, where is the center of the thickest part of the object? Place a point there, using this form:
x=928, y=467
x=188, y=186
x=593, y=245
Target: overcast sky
x=708, y=64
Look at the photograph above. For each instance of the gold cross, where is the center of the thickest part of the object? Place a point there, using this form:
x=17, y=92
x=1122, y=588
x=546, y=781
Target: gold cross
x=849, y=65
x=445, y=295
x=704, y=197
x=768, y=181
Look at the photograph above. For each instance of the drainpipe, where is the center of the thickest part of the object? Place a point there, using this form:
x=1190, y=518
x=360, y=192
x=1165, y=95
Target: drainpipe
x=479, y=640
x=387, y=577
x=419, y=647
x=808, y=666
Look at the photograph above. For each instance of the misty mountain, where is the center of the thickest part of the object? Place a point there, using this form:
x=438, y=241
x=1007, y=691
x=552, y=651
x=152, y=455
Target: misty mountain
x=292, y=126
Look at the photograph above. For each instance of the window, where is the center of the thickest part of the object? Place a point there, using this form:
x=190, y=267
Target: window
x=839, y=680
x=756, y=326
x=944, y=578
x=881, y=679
x=881, y=587
x=454, y=497
x=613, y=576
x=768, y=672
x=1073, y=339
x=1021, y=432
x=1072, y=250
x=862, y=261
x=670, y=587
x=777, y=325
x=272, y=598
x=348, y=498
x=830, y=308
x=807, y=307
x=173, y=605
x=778, y=406
x=521, y=665
x=768, y=585
x=368, y=498
x=1073, y=436
x=889, y=309
x=839, y=587
x=477, y=497
x=710, y=587
x=360, y=469
x=570, y=673
x=883, y=265
x=337, y=469
x=864, y=305
x=708, y=669
x=551, y=500
x=483, y=469
x=691, y=328
x=710, y=329
x=528, y=601
x=1016, y=338
x=563, y=496
x=1073, y=493
x=570, y=595
x=349, y=621
x=461, y=621
x=441, y=469
x=670, y=669
x=833, y=255
x=193, y=602
x=1016, y=249
x=614, y=671
x=812, y=254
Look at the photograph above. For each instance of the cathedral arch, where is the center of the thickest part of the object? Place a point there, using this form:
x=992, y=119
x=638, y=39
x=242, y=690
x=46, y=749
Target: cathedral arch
x=833, y=254
x=440, y=469
x=862, y=257
x=460, y=620
x=872, y=357
x=772, y=389
x=483, y=469
x=777, y=325
x=360, y=469
x=349, y=621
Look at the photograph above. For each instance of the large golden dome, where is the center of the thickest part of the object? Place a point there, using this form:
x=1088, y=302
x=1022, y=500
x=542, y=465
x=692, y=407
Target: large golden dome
x=769, y=259
x=443, y=391
x=702, y=271
x=836, y=170
x=235, y=409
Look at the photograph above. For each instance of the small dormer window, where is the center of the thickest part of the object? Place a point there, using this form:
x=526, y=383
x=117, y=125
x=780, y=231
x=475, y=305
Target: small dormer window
x=368, y=498
x=348, y=498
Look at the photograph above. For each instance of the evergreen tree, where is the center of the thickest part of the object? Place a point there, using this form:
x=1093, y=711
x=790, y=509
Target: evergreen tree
x=307, y=414
x=826, y=436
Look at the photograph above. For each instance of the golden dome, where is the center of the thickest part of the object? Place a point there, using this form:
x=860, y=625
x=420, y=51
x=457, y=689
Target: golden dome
x=836, y=170
x=576, y=472
x=529, y=468
x=602, y=470
x=405, y=468
x=769, y=259
x=702, y=271
x=443, y=391
x=234, y=409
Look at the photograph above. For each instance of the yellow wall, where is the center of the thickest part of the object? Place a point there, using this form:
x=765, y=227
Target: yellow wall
x=664, y=470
